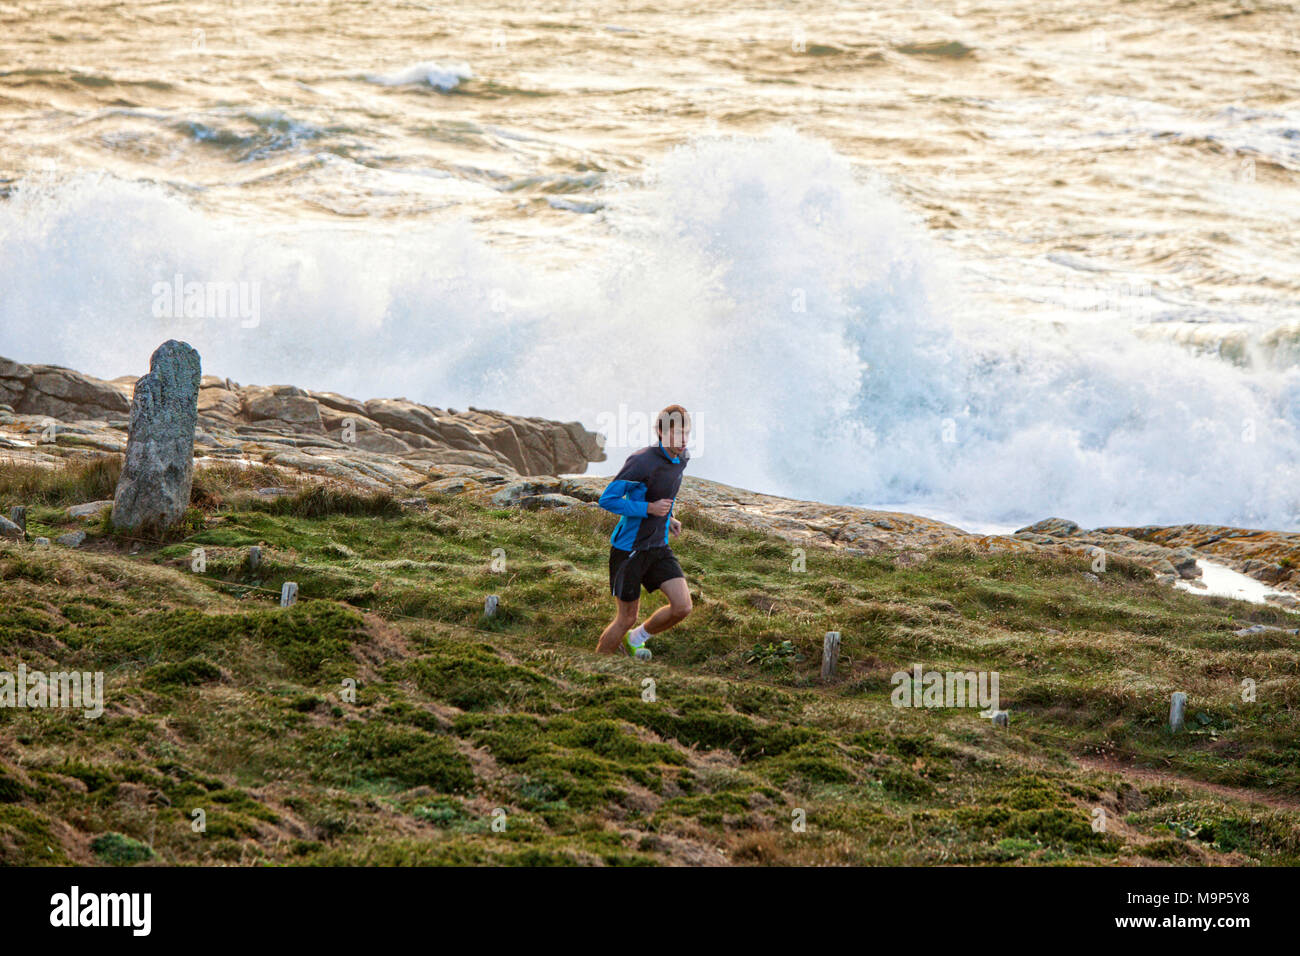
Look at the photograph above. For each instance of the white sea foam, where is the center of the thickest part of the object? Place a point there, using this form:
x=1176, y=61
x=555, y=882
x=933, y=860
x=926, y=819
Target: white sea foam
x=442, y=76
x=794, y=307
x=1221, y=581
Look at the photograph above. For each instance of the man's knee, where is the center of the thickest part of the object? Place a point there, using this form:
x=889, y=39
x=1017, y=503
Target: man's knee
x=680, y=609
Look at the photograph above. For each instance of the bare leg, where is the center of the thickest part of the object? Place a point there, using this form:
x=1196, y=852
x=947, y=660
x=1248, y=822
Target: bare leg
x=675, y=611
x=623, y=622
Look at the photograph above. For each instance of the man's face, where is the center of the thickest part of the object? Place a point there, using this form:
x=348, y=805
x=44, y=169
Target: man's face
x=675, y=436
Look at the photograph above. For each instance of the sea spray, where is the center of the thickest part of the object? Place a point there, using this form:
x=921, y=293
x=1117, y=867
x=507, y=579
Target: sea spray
x=763, y=282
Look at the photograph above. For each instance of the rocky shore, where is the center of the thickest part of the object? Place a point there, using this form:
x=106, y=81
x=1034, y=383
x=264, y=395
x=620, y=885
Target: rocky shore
x=49, y=414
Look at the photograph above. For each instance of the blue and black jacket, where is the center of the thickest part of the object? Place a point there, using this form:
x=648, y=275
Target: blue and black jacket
x=648, y=475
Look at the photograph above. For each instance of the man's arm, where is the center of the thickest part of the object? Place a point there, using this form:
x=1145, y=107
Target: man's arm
x=614, y=499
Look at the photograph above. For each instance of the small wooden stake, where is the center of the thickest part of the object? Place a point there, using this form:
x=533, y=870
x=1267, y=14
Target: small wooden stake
x=1177, y=705
x=830, y=653
x=288, y=594
x=490, y=605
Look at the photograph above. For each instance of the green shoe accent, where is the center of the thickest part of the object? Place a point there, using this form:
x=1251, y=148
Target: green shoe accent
x=641, y=653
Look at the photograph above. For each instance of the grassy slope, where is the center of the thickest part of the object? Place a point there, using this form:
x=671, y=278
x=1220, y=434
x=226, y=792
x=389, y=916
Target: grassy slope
x=218, y=699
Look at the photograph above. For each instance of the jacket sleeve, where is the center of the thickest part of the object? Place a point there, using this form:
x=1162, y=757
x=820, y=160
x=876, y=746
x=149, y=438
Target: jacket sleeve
x=612, y=499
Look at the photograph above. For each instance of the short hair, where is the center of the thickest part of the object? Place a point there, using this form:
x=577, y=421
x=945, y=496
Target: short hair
x=670, y=416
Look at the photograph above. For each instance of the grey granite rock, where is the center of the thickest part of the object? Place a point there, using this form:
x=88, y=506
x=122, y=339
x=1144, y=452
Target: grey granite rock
x=154, y=490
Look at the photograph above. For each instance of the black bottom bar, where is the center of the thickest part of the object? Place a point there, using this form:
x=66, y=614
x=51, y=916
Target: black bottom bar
x=338, y=906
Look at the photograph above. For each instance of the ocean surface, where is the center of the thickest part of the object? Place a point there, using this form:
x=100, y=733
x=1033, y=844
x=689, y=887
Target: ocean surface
x=990, y=261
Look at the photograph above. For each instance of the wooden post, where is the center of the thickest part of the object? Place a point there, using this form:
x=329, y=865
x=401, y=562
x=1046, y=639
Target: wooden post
x=254, y=558
x=288, y=594
x=830, y=653
x=1177, y=707
x=490, y=605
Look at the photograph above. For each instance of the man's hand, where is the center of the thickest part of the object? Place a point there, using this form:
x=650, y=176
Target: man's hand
x=659, y=508
x=674, y=526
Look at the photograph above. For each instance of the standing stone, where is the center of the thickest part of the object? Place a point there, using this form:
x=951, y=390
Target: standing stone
x=1177, y=708
x=830, y=653
x=19, y=517
x=154, y=490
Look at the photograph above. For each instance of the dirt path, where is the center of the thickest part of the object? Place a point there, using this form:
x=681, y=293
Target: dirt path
x=1151, y=775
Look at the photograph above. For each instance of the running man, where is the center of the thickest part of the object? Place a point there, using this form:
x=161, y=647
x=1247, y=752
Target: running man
x=644, y=492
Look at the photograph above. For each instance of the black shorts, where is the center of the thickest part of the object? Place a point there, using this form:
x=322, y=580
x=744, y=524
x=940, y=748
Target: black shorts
x=651, y=567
